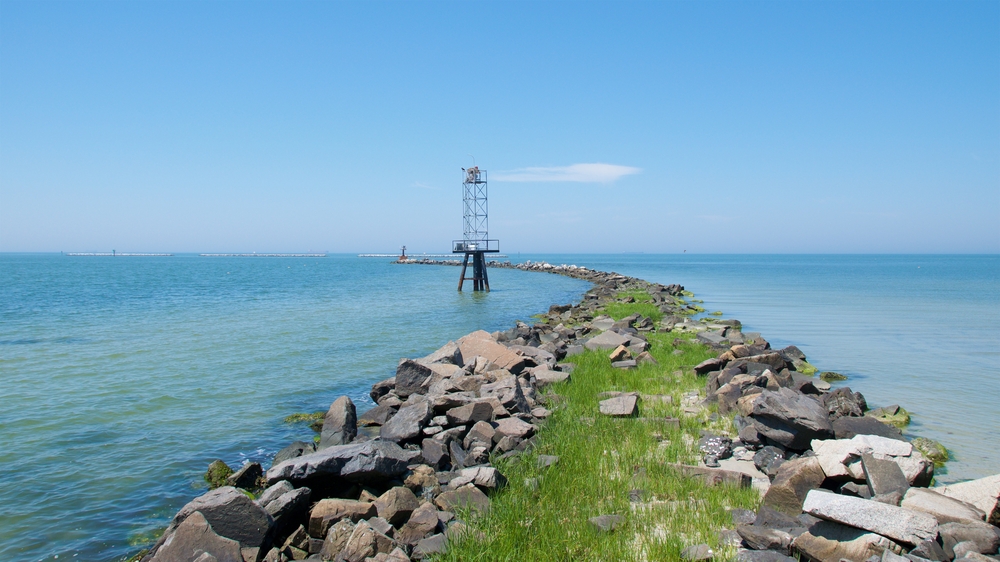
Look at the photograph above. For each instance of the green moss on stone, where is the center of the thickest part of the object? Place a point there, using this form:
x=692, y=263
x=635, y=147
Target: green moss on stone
x=217, y=473
x=900, y=419
x=315, y=420
x=931, y=449
x=830, y=376
x=806, y=368
x=137, y=556
x=716, y=313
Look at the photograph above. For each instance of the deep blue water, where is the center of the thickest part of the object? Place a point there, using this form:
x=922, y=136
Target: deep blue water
x=122, y=378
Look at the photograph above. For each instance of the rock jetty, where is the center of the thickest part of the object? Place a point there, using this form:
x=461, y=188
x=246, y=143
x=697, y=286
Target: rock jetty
x=400, y=481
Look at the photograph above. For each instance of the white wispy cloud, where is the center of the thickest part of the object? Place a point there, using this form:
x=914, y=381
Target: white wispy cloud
x=581, y=173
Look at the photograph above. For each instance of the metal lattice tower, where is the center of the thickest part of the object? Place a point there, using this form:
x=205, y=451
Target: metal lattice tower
x=475, y=240
x=476, y=205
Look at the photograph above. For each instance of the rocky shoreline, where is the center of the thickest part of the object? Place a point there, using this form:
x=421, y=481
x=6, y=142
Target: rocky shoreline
x=401, y=481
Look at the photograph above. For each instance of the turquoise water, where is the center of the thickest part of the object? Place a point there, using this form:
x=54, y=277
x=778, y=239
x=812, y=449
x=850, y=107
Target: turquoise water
x=919, y=331
x=122, y=378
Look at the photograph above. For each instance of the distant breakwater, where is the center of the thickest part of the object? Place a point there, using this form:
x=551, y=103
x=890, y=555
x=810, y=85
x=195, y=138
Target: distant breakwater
x=399, y=481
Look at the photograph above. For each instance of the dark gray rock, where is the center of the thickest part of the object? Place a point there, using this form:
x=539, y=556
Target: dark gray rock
x=296, y=449
x=606, y=523
x=192, y=539
x=410, y=377
x=768, y=459
x=407, y=424
x=434, y=544
x=846, y=428
x=884, y=476
x=274, y=492
x=288, y=510
x=434, y=453
x=457, y=454
x=709, y=365
x=340, y=425
x=791, y=419
x=377, y=415
x=247, y=477
x=359, y=462
x=470, y=413
x=985, y=536
x=717, y=446
x=382, y=388
x=844, y=403
x=767, y=517
x=232, y=515
x=764, y=538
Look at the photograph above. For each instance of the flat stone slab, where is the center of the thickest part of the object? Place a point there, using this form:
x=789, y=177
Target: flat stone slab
x=982, y=493
x=545, y=377
x=941, y=507
x=606, y=340
x=360, y=462
x=620, y=406
x=889, y=521
x=714, y=476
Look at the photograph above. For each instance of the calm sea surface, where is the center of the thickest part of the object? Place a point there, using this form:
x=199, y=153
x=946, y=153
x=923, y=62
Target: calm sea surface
x=122, y=378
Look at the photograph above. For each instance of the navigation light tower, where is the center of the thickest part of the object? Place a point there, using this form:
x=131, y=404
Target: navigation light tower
x=475, y=241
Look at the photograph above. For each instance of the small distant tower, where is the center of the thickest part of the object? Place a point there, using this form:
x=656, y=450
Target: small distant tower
x=402, y=255
x=475, y=241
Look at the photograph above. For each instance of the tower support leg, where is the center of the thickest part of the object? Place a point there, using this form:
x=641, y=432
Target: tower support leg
x=461, y=278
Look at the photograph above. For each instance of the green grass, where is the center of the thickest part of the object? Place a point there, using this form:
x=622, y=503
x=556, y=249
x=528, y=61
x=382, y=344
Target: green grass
x=600, y=460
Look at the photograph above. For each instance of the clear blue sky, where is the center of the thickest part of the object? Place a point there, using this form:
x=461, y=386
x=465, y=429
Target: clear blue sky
x=605, y=127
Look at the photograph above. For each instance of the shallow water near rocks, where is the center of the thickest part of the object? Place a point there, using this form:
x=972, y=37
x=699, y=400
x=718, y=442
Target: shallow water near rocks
x=122, y=378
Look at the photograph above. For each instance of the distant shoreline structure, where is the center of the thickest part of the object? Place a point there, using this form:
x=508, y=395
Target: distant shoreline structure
x=116, y=254
x=255, y=255
x=416, y=256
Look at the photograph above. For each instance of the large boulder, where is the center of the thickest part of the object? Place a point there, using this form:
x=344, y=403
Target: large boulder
x=296, y=449
x=793, y=481
x=606, y=340
x=896, y=523
x=288, y=510
x=625, y=405
x=360, y=462
x=340, y=425
x=844, y=403
x=449, y=353
x=232, y=515
x=396, y=505
x=408, y=422
x=943, y=508
x=469, y=413
x=790, y=419
x=986, y=537
x=846, y=428
x=378, y=415
x=828, y=541
x=982, y=493
x=192, y=539
x=481, y=344
x=410, y=377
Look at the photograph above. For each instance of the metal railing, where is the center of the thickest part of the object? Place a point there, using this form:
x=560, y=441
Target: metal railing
x=464, y=246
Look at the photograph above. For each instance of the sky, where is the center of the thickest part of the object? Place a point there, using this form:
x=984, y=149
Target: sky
x=604, y=127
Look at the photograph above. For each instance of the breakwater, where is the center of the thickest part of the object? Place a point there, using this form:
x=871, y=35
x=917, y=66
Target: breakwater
x=414, y=484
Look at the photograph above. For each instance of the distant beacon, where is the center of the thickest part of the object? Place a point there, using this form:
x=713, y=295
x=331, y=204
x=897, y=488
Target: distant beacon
x=475, y=241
